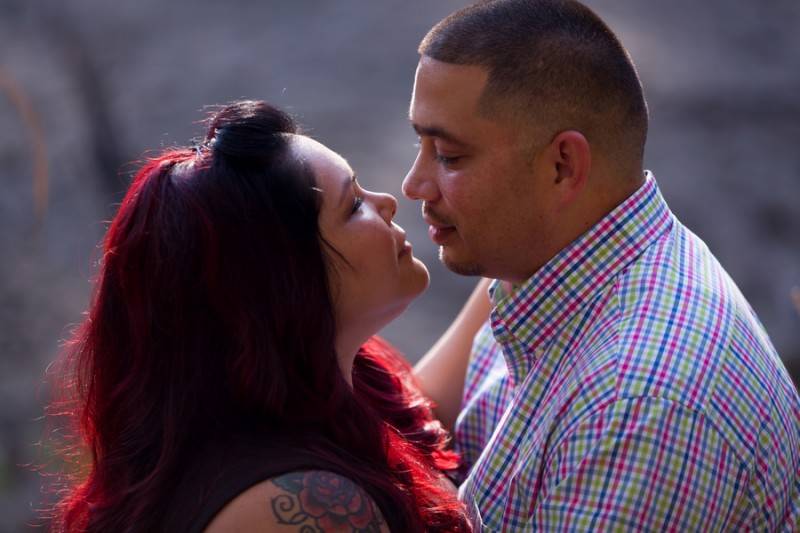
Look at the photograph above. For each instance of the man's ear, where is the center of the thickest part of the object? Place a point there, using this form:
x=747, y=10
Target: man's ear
x=571, y=158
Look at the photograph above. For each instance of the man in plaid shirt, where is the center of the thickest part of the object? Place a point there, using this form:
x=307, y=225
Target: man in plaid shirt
x=622, y=381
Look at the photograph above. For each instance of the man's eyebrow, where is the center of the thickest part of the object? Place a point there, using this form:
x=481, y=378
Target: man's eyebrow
x=348, y=184
x=435, y=131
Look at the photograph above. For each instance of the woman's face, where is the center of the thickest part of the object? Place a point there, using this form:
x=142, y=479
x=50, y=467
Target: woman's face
x=380, y=276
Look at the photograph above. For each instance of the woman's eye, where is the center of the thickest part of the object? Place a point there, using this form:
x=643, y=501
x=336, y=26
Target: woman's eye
x=357, y=201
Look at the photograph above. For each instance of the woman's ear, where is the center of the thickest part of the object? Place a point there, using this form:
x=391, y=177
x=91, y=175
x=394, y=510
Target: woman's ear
x=572, y=161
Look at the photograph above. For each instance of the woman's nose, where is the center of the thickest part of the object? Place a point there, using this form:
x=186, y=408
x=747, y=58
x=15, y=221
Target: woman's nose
x=387, y=205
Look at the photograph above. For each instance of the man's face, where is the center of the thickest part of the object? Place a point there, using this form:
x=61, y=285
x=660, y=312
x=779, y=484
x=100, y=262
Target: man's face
x=485, y=193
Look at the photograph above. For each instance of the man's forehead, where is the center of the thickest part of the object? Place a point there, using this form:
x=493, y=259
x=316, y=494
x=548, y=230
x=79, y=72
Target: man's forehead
x=446, y=84
x=446, y=103
x=441, y=71
x=445, y=97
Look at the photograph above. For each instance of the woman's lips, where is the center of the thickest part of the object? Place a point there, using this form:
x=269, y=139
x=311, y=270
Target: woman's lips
x=405, y=250
x=440, y=234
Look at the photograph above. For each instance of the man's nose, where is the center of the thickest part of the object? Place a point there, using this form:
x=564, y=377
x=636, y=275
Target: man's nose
x=418, y=183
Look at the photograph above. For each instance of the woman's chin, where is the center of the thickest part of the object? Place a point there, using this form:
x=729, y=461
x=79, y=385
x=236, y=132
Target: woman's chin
x=425, y=277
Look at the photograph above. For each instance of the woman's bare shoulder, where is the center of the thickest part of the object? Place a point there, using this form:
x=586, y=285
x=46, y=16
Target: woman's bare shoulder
x=306, y=501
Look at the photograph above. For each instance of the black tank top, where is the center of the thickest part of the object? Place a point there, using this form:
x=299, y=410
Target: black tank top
x=223, y=468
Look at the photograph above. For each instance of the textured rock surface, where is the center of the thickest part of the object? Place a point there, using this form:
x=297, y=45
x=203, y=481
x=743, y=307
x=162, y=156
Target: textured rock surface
x=109, y=81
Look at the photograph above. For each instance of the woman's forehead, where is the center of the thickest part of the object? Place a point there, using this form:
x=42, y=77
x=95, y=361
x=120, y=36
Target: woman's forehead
x=319, y=156
x=331, y=171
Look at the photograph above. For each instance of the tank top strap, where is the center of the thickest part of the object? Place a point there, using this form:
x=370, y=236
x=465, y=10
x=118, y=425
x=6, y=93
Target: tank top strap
x=225, y=467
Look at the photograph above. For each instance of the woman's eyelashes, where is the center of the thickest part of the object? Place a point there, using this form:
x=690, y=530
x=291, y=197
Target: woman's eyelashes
x=358, y=201
x=358, y=197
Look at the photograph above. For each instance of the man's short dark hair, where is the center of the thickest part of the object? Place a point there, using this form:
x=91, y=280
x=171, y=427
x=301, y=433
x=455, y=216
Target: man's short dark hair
x=552, y=63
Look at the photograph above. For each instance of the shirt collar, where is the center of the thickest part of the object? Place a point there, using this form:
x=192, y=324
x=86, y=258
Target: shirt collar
x=525, y=320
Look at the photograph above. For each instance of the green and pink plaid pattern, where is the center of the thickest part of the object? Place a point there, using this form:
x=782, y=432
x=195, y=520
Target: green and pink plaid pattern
x=629, y=386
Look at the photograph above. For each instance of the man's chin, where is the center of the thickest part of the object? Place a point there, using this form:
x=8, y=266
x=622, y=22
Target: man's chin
x=459, y=266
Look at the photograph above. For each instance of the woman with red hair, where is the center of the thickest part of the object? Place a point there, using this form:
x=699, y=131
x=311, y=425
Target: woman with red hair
x=227, y=377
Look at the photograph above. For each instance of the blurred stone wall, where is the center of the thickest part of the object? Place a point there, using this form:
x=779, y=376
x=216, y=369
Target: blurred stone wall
x=96, y=84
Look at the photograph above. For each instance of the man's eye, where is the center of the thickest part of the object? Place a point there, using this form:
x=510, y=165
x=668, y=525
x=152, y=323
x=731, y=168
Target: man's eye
x=357, y=201
x=446, y=161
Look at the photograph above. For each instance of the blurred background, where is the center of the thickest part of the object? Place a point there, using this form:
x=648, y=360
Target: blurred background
x=88, y=87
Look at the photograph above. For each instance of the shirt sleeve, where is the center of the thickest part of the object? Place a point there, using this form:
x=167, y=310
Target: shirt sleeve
x=642, y=464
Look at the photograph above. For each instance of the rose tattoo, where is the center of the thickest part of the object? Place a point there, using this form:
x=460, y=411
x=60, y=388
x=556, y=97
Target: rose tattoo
x=328, y=501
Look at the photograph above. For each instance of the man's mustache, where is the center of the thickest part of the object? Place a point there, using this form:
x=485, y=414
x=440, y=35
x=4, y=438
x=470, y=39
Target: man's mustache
x=431, y=216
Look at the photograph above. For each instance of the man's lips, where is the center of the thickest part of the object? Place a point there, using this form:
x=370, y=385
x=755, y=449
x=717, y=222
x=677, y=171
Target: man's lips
x=438, y=230
x=440, y=234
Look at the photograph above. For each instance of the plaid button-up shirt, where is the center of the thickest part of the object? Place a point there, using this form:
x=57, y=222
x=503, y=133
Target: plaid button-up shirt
x=628, y=385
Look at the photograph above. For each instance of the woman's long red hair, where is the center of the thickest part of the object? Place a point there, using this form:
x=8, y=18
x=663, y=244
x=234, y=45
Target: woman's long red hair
x=212, y=309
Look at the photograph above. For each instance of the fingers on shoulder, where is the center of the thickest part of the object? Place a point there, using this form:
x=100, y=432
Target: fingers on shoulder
x=312, y=500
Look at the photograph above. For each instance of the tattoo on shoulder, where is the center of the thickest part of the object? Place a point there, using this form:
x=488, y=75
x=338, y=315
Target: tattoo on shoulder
x=319, y=502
